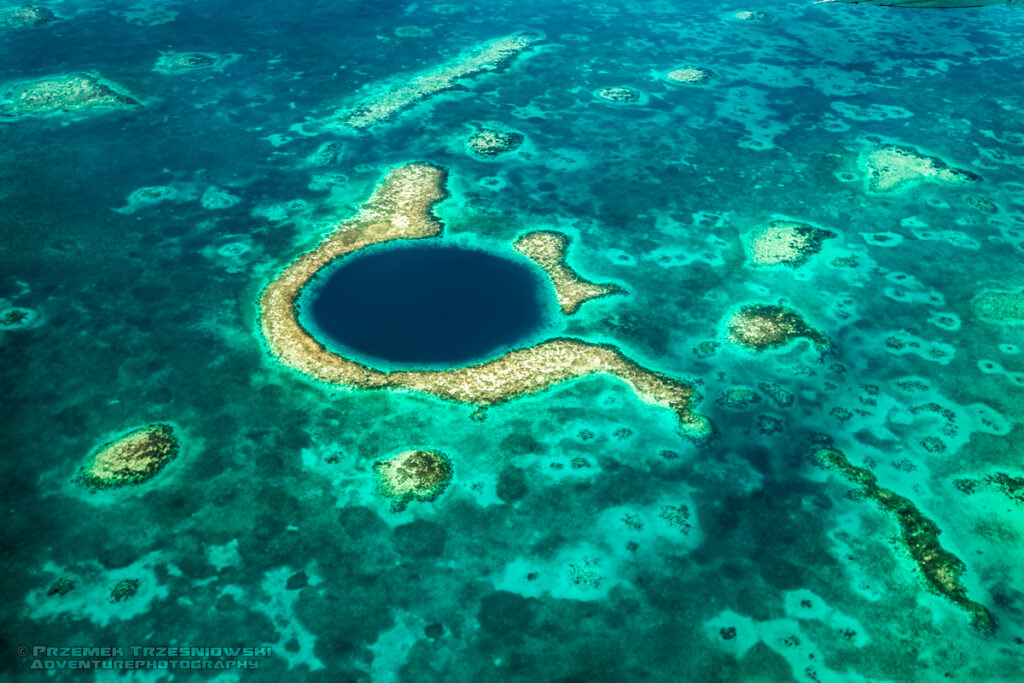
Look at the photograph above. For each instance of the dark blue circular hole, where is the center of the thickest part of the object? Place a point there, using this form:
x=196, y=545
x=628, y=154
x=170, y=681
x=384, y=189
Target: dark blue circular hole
x=427, y=304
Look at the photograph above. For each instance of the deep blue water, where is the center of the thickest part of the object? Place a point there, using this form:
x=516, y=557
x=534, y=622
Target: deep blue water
x=428, y=304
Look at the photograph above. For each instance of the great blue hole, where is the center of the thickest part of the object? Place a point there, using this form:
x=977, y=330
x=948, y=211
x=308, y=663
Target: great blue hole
x=421, y=305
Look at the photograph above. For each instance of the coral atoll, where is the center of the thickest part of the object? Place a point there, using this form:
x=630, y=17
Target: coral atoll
x=548, y=250
x=68, y=93
x=785, y=242
x=401, y=208
x=892, y=167
x=391, y=99
x=920, y=536
x=760, y=327
x=131, y=459
x=413, y=475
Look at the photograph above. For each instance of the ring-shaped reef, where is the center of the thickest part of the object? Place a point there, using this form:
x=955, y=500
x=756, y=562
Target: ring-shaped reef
x=401, y=208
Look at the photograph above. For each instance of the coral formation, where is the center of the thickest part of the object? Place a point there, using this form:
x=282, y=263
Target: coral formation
x=182, y=62
x=891, y=167
x=61, y=586
x=405, y=92
x=413, y=475
x=15, y=318
x=620, y=94
x=548, y=250
x=738, y=399
x=66, y=93
x=785, y=242
x=753, y=17
x=1000, y=306
x=124, y=589
x=760, y=327
x=1012, y=487
x=401, y=208
x=490, y=142
x=690, y=75
x=131, y=459
x=326, y=153
x=782, y=398
x=26, y=16
x=215, y=199
x=920, y=536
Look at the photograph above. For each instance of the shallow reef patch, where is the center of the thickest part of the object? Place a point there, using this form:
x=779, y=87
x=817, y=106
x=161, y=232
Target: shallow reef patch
x=786, y=242
x=891, y=167
x=65, y=93
x=415, y=475
x=548, y=250
x=762, y=327
x=132, y=458
x=941, y=569
x=391, y=99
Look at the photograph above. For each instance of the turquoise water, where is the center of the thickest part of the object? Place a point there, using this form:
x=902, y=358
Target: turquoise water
x=582, y=537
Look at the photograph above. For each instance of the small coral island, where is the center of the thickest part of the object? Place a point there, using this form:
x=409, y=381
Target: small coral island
x=785, y=242
x=548, y=249
x=413, y=475
x=920, y=536
x=488, y=143
x=69, y=93
x=131, y=459
x=761, y=327
x=891, y=167
x=401, y=208
x=394, y=97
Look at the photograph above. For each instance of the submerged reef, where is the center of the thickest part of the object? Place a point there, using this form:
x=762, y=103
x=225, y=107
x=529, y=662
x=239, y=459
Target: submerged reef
x=389, y=100
x=413, y=475
x=181, y=62
x=61, y=586
x=16, y=318
x=620, y=94
x=131, y=459
x=690, y=75
x=785, y=242
x=490, y=142
x=892, y=167
x=401, y=208
x=760, y=327
x=920, y=536
x=753, y=17
x=67, y=93
x=1000, y=306
x=548, y=250
x=26, y=16
x=124, y=589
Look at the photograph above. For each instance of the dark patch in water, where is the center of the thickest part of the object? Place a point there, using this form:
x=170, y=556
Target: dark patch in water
x=428, y=304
